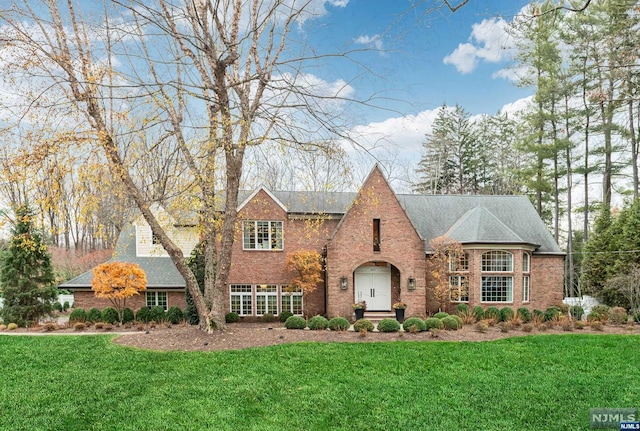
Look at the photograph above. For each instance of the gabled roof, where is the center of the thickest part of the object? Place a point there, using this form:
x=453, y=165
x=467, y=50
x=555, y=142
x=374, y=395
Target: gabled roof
x=303, y=202
x=160, y=270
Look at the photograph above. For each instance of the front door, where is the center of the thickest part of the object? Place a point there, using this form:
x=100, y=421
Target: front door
x=373, y=285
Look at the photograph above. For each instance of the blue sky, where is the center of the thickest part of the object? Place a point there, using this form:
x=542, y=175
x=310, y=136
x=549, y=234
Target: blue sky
x=418, y=61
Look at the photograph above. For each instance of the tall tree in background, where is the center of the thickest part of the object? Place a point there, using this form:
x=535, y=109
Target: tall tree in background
x=26, y=274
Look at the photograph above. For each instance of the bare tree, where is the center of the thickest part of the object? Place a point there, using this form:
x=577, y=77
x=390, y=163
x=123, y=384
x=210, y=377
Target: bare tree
x=211, y=78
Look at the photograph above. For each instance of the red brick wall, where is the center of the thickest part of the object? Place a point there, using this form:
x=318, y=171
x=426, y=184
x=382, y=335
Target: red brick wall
x=352, y=246
x=268, y=266
x=545, y=282
x=86, y=299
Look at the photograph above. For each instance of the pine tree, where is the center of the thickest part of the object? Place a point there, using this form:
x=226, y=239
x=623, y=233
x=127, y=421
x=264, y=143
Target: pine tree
x=26, y=273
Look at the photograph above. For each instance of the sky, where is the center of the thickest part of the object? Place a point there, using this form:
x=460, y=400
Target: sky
x=419, y=61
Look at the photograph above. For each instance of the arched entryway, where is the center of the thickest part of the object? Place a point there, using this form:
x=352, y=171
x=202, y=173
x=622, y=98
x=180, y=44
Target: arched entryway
x=372, y=283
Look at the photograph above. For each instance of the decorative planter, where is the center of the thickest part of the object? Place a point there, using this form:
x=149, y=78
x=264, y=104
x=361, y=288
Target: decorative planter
x=400, y=314
x=359, y=313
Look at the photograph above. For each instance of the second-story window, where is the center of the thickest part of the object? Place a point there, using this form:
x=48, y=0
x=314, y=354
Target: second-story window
x=376, y=234
x=262, y=235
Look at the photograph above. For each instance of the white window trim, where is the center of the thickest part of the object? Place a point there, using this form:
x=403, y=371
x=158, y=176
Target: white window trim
x=526, y=257
x=289, y=295
x=526, y=288
x=271, y=294
x=242, y=295
x=504, y=252
x=509, y=292
x=458, y=286
x=256, y=233
x=155, y=298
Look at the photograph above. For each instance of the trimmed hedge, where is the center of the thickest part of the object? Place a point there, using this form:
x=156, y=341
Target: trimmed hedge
x=295, y=322
x=506, y=314
x=441, y=315
x=175, y=315
x=576, y=312
x=363, y=324
x=433, y=323
x=478, y=313
x=339, y=324
x=143, y=314
x=492, y=313
x=450, y=323
x=318, y=323
x=552, y=313
x=462, y=309
x=110, y=315
x=524, y=314
x=285, y=315
x=231, y=317
x=416, y=322
x=94, y=315
x=388, y=325
x=127, y=315
x=157, y=314
x=78, y=315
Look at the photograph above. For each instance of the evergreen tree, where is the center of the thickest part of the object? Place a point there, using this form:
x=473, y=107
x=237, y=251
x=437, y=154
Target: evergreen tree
x=26, y=273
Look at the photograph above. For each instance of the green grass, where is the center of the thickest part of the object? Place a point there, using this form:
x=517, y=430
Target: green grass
x=527, y=383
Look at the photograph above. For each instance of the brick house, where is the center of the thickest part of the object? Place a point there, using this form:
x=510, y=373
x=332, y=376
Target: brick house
x=376, y=248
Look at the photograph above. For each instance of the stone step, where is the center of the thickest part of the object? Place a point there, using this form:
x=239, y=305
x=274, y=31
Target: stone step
x=376, y=316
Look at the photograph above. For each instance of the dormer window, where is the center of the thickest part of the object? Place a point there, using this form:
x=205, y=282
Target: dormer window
x=262, y=235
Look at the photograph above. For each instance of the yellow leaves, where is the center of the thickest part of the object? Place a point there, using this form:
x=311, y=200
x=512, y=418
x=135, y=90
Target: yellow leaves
x=307, y=264
x=118, y=280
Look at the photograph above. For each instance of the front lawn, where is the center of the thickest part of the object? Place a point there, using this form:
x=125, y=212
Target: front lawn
x=526, y=383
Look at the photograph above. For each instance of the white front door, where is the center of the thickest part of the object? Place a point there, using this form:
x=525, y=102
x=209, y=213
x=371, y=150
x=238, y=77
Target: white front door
x=373, y=285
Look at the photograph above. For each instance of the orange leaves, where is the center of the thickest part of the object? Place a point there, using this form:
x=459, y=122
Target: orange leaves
x=443, y=249
x=118, y=280
x=307, y=264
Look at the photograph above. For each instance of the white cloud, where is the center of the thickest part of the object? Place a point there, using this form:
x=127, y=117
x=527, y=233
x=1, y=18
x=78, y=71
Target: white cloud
x=489, y=41
x=374, y=41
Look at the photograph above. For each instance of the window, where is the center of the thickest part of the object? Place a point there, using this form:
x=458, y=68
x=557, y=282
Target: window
x=266, y=299
x=262, y=235
x=525, y=288
x=157, y=298
x=376, y=234
x=526, y=262
x=497, y=289
x=241, y=299
x=497, y=261
x=459, y=288
x=291, y=301
x=457, y=264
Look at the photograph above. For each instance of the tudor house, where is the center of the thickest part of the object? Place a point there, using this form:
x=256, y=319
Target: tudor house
x=376, y=248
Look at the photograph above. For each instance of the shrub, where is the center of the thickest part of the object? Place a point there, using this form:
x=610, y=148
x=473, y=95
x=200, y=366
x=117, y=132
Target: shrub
x=127, y=315
x=414, y=322
x=12, y=326
x=596, y=325
x=527, y=327
x=459, y=319
x=594, y=316
x=462, y=309
x=524, y=314
x=441, y=315
x=566, y=324
x=79, y=326
x=231, y=317
x=65, y=306
x=285, y=315
x=318, y=323
x=603, y=310
x=57, y=306
x=450, y=323
x=482, y=326
x=433, y=323
x=492, y=313
x=478, y=313
x=388, y=325
x=552, y=313
x=143, y=314
x=505, y=327
x=363, y=325
x=576, y=312
x=506, y=314
x=579, y=324
x=295, y=322
x=618, y=315
x=268, y=317
x=99, y=325
x=109, y=315
x=175, y=315
x=538, y=315
x=3, y=327
x=94, y=315
x=78, y=315
x=339, y=324
x=157, y=314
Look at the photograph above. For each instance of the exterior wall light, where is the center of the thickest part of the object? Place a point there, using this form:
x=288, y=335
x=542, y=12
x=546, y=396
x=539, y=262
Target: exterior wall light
x=343, y=283
x=412, y=283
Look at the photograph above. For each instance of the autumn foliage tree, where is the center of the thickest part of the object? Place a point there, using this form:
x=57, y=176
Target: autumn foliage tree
x=444, y=249
x=307, y=266
x=117, y=281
